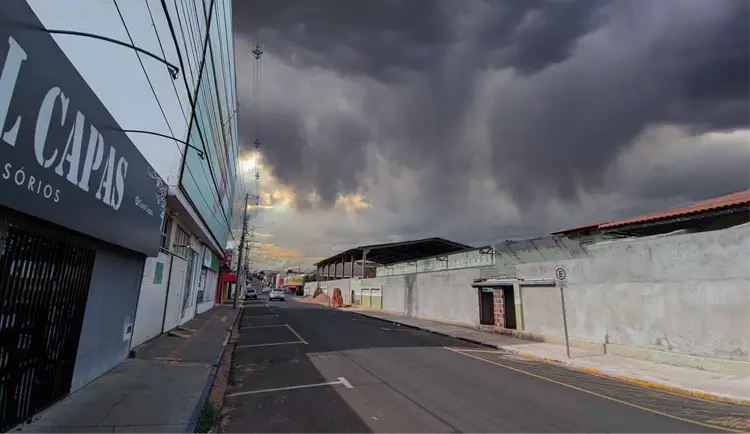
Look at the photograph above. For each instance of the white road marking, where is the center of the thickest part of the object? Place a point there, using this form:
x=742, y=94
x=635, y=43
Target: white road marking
x=270, y=344
x=342, y=381
x=296, y=334
x=346, y=384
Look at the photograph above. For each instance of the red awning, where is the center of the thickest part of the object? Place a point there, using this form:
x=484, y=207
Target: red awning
x=229, y=277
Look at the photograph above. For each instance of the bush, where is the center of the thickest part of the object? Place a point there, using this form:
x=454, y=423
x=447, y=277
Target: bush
x=208, y=418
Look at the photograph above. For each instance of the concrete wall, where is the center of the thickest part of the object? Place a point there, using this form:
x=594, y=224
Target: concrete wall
x=110, y=312
x=150, y=312
x=677, y=295
x=343, y=284
x=310, y=288
x=442, y=295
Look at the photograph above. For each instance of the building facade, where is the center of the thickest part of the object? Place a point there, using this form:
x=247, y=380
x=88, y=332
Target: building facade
x=117, y=178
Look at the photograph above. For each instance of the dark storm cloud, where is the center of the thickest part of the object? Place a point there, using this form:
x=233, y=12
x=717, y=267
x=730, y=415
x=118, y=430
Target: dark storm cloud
x=371, y=37
x=570, y=121
x=326, y=163
x=587, y=78
x=718, y=173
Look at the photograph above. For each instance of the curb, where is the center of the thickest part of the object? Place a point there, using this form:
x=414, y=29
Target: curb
x=694, y=393
x=434, y=332
x=203, y=398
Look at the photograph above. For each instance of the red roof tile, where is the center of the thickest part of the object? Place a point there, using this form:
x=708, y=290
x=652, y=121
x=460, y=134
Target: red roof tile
x=730, y=200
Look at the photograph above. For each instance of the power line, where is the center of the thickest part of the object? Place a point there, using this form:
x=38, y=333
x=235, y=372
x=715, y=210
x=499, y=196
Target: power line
x=158, y=102
x=161, y=48
x=193, y=101
x=143, y=68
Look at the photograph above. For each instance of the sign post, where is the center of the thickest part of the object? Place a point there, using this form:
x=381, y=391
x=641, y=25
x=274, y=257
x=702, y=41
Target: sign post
x=561, y=282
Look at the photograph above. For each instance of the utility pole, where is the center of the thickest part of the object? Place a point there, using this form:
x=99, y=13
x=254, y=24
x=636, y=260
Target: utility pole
x=242, y=249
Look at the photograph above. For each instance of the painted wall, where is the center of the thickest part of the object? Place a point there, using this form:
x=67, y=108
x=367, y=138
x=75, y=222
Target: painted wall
x=110, y=312
x=682, y=294
x=310, y=288
x=107, y=70
x=209, y=290
x=153, y=297
x=343, y=284
x=442, y=295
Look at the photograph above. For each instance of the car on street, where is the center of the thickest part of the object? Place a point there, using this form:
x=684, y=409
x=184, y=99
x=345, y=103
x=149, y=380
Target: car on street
x=277, y=294
x=251, y=294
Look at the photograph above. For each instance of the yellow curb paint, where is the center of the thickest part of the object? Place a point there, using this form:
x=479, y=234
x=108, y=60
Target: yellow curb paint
x=641, y=382
x=629, y=404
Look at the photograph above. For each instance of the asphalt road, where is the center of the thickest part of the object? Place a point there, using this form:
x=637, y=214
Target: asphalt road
x=305, y=368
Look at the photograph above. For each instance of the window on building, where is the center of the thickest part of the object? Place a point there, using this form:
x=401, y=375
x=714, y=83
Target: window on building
x=165, y=227
x=181, y=242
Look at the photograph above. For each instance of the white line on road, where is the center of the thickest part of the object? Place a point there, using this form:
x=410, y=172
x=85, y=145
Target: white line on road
x=296, y=334
x=269, y=345
x=342, y=381
x=346, y=384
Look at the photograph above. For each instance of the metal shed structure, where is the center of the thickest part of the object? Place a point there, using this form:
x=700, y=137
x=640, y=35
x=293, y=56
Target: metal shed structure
x=386, y=254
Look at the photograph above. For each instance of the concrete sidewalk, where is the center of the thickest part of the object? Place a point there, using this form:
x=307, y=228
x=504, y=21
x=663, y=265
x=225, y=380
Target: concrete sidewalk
x=161, y=389
x=734, y=389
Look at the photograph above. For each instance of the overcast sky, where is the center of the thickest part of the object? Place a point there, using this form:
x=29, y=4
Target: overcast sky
x=481, y=121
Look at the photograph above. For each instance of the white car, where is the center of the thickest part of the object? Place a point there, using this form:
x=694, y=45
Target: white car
x=251, y=294
x=277, y=294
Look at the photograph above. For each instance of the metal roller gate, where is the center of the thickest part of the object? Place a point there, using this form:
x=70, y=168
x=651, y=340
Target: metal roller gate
x=44, y=284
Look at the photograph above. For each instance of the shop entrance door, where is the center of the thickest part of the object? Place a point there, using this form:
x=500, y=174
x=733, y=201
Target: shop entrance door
x=486, y=307
x=44, y=285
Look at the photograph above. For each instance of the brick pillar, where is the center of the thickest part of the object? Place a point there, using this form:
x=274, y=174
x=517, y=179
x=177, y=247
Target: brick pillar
x=497, y=300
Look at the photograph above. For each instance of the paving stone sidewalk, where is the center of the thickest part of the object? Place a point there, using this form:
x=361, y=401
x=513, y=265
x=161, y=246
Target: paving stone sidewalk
x=161, y=389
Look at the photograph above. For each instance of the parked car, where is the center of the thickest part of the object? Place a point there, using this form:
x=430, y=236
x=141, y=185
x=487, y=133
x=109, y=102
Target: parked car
x=277, y=294
x=251, y=294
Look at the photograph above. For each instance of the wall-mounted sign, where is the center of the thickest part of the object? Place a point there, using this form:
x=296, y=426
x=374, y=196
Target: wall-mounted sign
x=296, y=280
x=561, y=277
x=62, y=157
x=227, y=260
x=207, y=257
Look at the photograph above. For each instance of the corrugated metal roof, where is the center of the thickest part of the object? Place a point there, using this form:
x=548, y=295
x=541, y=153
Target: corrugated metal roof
x=717, y=203
x=581, y=227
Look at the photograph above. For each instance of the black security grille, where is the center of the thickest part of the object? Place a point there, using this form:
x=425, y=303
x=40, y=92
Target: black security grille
x=44, y=282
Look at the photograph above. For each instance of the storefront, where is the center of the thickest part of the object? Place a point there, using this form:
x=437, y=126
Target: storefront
x=80, y=210
x=208, y=281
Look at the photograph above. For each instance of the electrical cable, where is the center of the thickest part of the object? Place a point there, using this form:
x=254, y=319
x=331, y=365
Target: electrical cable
x=173, y=70
x=161, y=48
x=193, y=101
x=151, y=86
x=184, y=39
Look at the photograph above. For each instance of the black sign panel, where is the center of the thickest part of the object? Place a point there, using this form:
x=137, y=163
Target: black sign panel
x=62, y=157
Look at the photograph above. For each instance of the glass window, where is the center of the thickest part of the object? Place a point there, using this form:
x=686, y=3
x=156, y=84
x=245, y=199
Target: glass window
x=181, y=242
x=165, y=227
